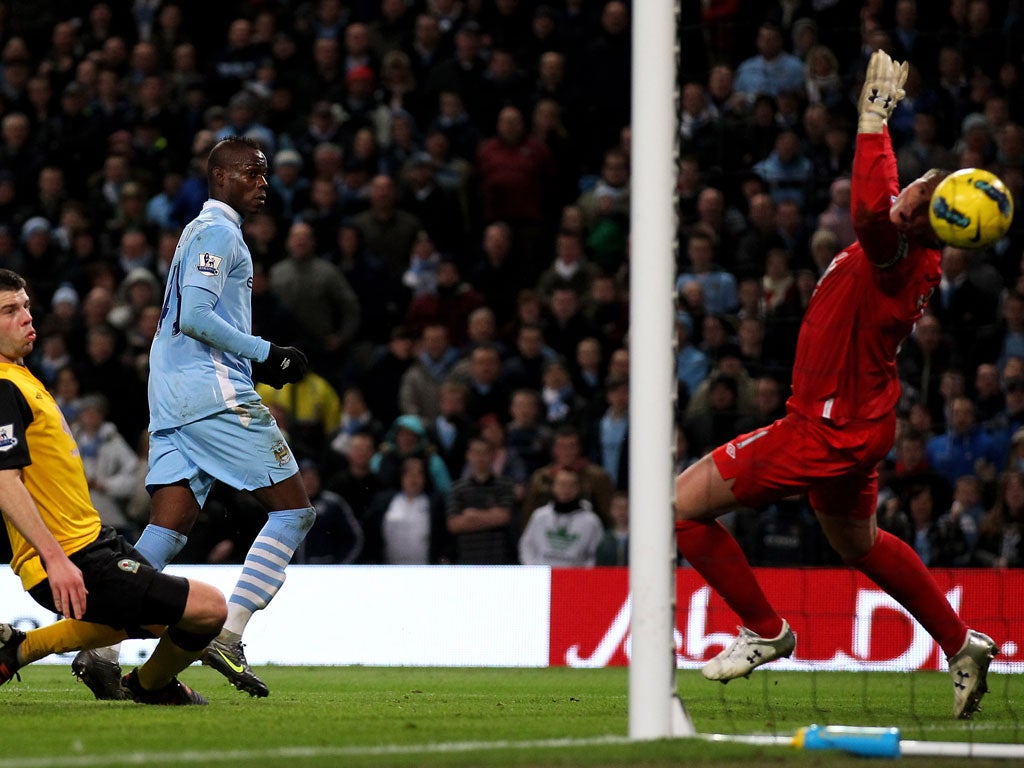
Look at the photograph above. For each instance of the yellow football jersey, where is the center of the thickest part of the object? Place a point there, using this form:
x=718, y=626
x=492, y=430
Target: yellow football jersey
x=35, y=438
x=309, y=402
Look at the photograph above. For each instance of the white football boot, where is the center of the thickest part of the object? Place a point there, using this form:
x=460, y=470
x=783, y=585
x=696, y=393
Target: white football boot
x=748, y=652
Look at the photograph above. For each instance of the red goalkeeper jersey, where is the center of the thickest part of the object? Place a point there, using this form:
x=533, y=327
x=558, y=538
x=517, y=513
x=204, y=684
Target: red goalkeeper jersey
x=845, y=367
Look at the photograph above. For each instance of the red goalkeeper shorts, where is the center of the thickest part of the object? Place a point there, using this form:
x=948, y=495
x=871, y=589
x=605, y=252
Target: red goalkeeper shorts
x=836, y=468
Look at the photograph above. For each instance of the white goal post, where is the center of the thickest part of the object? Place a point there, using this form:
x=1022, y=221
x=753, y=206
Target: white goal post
x=654, y=710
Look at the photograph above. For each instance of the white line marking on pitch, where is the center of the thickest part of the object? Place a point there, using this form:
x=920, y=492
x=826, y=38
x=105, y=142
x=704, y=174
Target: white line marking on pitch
x=197, y=756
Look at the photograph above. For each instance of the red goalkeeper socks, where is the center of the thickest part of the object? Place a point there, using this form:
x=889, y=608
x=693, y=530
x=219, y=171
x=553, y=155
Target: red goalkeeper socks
x=717, y=556
x=896, y=568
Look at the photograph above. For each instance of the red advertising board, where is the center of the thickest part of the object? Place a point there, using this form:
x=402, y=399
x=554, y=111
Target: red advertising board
x=842, y=620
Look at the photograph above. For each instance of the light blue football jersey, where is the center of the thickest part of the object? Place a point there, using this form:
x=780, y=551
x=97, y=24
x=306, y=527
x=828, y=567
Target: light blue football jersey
x=190, y=379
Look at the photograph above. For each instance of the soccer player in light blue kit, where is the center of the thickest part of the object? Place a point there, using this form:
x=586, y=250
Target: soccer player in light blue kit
x=206, y=421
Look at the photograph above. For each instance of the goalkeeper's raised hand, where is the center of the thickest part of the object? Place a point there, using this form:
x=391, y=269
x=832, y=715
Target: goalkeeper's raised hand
x=882, y=91
x=284, y=365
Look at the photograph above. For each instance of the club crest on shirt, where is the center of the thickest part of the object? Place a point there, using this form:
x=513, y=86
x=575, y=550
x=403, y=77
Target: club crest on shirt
x=128, y=565
x=281, y=453
x=209, y=264
x=7, y=440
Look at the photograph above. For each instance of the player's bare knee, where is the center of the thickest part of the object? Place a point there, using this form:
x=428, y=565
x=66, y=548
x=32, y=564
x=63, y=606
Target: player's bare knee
x=684, y=510
x=684, y=507
x=700, y=492
x=206, y=610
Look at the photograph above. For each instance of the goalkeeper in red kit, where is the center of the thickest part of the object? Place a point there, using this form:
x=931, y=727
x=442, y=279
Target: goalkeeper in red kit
x=840, y=420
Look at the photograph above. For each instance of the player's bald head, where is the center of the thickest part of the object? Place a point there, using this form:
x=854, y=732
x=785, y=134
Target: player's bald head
x=237, y=175
x=230, y=153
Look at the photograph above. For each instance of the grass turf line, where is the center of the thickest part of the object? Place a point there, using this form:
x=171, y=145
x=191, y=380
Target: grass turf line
x=453, y=717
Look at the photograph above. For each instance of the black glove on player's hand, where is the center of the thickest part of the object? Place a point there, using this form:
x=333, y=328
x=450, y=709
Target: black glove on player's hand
x=284, y=365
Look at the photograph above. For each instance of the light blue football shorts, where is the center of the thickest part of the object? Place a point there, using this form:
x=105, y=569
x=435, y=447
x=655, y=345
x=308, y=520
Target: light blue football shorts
x=242, y=447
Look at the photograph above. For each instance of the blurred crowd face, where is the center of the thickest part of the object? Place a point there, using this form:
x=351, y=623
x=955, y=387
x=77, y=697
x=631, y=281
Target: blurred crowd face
x=619, y=511
x=426, y=31
x=961, y=418
x=928, y=333
x=239, y=34
x=452, y=400
x=485, y=365
x=479, y=457
x=568, y=248
x=552, y=69
x=510, y=125
x=1013, y=495
x=911, y=453
x=588, y=354
x=921, y=506
x=360, y=451
x=769, y=42
x=565, y=450
x=523, y=408
x=413, y=477
x=615, y=18
x=555, y=377
x=497, y=242
x=435, y=340
x=566, y=486
x=564, y=304
x=382, y=192
x=301, y=243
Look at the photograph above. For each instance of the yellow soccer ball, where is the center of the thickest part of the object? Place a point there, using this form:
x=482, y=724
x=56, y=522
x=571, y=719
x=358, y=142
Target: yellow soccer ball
x=971, y=208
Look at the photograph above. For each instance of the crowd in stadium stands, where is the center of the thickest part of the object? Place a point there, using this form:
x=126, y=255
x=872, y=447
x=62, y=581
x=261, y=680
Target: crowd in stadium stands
x=447, y=238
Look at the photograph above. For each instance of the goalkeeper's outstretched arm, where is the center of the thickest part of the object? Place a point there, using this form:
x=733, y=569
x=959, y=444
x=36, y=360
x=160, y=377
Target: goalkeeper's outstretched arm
x=882, y=91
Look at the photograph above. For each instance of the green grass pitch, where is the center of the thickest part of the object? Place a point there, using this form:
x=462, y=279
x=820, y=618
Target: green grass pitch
x=357, y=716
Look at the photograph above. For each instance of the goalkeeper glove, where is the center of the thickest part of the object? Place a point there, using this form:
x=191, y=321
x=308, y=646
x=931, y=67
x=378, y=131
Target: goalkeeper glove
x=284, y=365
x=883, y=89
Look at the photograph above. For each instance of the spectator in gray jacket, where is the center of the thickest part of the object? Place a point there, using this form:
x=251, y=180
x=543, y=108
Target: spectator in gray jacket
x=318, y=295
x=109, y=463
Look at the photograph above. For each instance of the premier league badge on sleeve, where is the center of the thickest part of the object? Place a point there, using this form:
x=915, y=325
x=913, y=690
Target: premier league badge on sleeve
x=209, y=264
x=7, y=440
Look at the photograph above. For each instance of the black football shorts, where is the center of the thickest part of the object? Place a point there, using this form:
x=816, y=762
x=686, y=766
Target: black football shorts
x=125, y=591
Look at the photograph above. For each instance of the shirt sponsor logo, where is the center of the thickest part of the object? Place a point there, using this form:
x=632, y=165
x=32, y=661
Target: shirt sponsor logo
x=209, y=264
x=7, y=440
x=128, y=565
